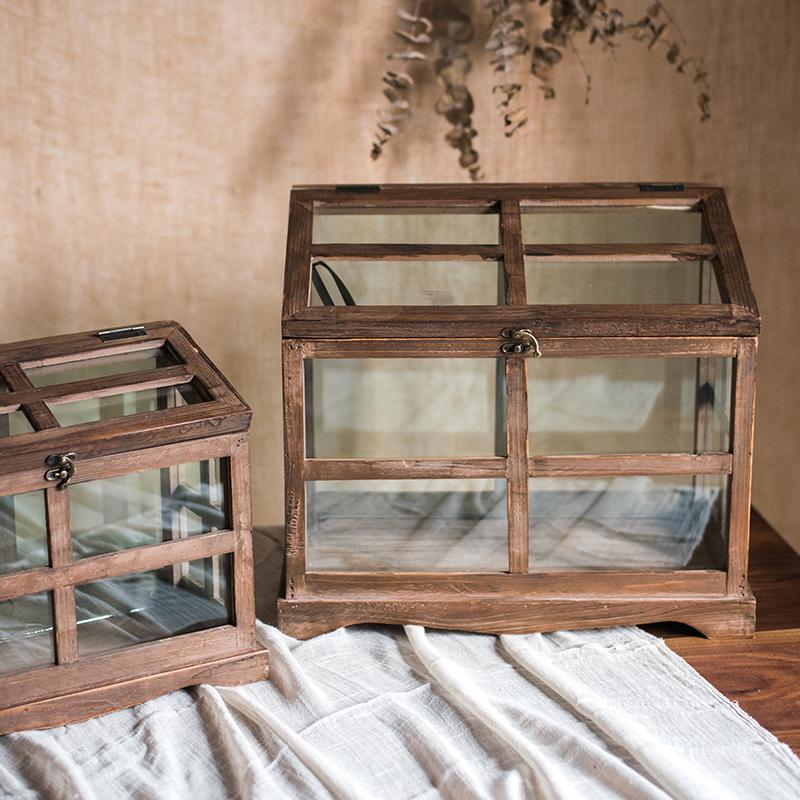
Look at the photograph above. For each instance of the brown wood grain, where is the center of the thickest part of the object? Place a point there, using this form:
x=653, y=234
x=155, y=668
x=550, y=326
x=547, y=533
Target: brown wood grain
x=412, y=322
x=123, y=693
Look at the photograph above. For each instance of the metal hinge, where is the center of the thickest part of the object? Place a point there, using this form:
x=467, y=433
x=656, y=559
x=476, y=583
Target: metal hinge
x=122, y=333
x=357, y=188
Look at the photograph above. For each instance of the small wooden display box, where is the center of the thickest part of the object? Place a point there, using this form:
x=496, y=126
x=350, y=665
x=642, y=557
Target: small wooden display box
x=126, y=565
x=515, y=408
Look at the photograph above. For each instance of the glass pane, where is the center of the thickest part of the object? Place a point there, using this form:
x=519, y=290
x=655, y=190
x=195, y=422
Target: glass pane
x=664, y=522
x=391, y=228
x=14, y=424
x=92, y=409
x=102, y=367
x=3, y=386
x=23, y=532
x=574, y=282
x=404, y=407
x=411, y=283
x=407, y=526
x=147, y=507
x=26, y=632
x=612, y=225
x=132, y=609
x=629, y=405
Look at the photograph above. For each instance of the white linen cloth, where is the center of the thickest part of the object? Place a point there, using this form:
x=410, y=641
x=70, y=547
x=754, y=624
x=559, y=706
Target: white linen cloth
x=386, y=713
x=370, y=712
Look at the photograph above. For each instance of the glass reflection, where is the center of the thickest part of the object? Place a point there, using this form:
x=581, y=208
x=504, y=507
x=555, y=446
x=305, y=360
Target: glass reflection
x=132, y=609
x=407, y=526
x=148, y=507
x=23, y=532
x=104, y=366
x=629, y=405
x=94, y=409
x=26, y=632
x=628, y=523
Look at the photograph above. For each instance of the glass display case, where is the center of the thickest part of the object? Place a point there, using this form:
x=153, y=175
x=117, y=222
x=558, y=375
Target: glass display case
x=516, y=408
x=125, y=552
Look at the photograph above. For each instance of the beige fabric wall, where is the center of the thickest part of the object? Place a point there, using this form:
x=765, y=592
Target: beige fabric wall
x=147, y=150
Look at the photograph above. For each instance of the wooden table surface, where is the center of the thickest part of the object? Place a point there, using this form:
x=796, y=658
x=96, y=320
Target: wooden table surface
x=762, y=674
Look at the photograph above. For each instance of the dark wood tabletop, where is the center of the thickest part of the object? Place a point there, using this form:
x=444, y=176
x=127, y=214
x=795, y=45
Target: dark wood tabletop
x=762, y=674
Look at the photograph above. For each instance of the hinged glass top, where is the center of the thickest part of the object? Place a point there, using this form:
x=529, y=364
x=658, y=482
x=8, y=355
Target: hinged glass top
x=655, y=263
x=149, y=378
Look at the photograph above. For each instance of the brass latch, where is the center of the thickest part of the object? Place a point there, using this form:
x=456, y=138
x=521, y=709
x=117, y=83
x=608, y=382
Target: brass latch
x=522, y=341
x=62, y=468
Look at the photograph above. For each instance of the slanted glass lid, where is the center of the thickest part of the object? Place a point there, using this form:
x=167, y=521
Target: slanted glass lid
x=571, y=255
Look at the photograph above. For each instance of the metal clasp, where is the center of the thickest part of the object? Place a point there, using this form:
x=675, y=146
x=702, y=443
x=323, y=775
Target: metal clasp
x=522, y=341
x=62, y=468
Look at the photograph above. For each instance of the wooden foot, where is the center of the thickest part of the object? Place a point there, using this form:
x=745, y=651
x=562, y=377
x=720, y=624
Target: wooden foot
x=711, y=615
x=80, y=705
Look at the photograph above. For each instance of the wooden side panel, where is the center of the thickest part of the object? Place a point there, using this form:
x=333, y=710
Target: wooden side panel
x=743, y=425
x=294, y=457
x=240, y=506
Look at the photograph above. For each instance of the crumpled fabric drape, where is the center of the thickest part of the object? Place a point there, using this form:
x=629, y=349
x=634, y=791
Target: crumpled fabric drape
x=371, y=712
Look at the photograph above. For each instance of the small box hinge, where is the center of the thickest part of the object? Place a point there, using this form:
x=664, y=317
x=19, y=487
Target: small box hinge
x=661, y=187
x=357, y=188
x=122, y=333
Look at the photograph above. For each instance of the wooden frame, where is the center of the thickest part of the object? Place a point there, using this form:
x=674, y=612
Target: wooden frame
x=716, y=602
x=215, y=427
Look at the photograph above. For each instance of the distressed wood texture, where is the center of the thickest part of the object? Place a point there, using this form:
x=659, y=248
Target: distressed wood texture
x=77, y=687
x=481, y=613
x=716, y=602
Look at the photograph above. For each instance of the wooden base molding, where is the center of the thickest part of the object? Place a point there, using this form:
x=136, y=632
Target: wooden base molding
x=82, y=705
x=305, y=617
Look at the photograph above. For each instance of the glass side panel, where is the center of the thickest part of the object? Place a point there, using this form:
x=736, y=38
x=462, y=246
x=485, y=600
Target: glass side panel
x=3, y=386
x=26, y=632
x=634, y=523
x=575, y=282
x=410, y=283
x=404, y=407
x=407, y=526
x=148, y=507
x=132, y=609
x=628, y=405
x=14, y=424
x=102, y=367
x=604, y=225
x=23, y=532
x=401, y=228
x=93, y=409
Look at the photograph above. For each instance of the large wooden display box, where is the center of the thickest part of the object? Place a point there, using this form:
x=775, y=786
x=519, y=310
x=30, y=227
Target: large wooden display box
x=515, y=408
x=125, y=543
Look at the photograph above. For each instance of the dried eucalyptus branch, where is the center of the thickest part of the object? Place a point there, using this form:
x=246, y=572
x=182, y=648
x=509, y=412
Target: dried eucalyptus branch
x=452, y=31
x=398, y=84
x=571, y=17
x=507, y=41
x=653, y=31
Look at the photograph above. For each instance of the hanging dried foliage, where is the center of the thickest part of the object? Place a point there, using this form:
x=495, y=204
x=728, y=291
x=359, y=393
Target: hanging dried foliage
x=446, y=30
x=398, y=83
x=452, y=32
x=507, y=42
